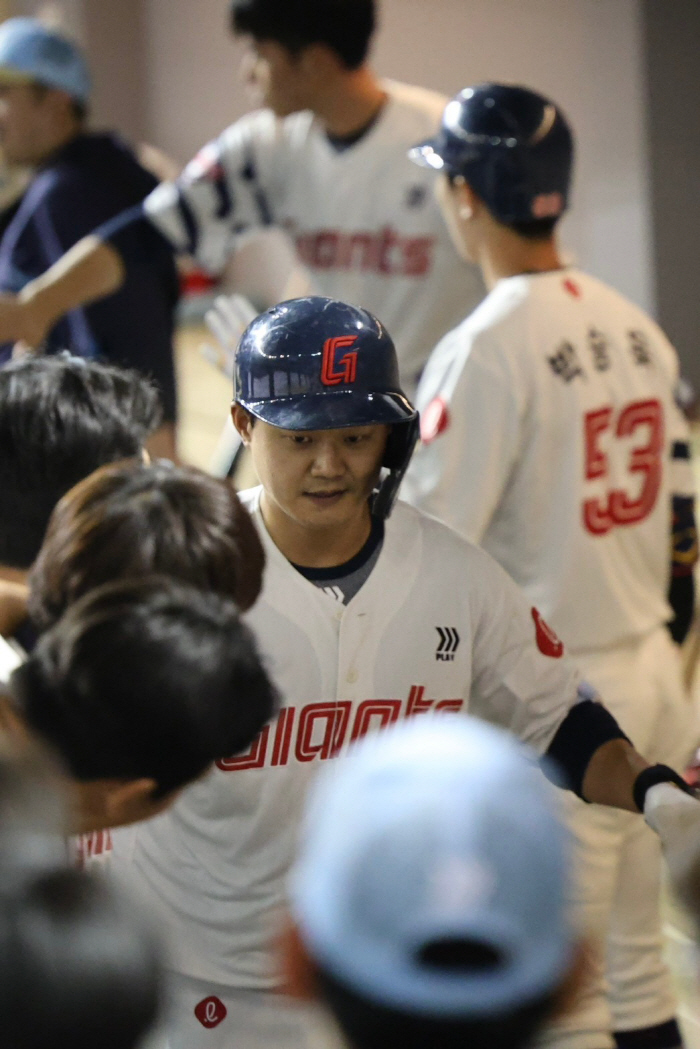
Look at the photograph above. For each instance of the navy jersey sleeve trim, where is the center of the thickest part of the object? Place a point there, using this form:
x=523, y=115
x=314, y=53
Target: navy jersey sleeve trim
x=134, y=236
x=586, y=727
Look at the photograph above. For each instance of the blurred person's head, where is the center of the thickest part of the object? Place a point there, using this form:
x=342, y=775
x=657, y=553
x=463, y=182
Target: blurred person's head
x=44, y=90
x=34, y=804
x=140, y=687
x=133, y=519
x=61, y=418
x=428, y=899
x=301, y=48
x=79, y=966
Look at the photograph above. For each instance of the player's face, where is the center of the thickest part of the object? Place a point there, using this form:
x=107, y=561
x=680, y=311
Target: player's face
x=315, y=479
x=453, y=207
x=24, y=122
x=275, y=77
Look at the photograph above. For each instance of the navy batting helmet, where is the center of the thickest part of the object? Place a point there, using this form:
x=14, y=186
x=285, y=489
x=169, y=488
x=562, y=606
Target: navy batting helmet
x=320, y=364
x=513, y=146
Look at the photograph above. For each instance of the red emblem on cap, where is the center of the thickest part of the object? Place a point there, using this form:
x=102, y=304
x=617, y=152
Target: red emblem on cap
x=210, y=1012
x=572, y=287
x=343, y=370
x=434, y=420
x=547, y=641
x=547, y=205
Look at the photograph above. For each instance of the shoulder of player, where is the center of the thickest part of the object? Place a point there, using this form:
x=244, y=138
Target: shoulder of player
x=453, y=552
x=262, y=128
x=630, y=315
x=419, y=99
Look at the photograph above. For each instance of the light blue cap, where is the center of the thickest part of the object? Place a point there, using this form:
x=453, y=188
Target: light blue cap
x=439, y=830
x=29, y=51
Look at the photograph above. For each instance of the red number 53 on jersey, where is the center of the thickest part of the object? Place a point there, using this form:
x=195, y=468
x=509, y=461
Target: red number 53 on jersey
x=618, y=507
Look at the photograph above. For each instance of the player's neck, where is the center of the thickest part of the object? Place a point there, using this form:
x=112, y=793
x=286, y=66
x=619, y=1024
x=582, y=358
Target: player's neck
x=506, y=254
x=350, y=102
x=316, y=547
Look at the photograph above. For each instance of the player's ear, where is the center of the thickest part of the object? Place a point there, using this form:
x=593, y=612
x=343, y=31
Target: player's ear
x=243, y=422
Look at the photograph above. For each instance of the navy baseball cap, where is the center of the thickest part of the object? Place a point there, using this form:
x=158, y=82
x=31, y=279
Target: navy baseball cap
x=439, y=832
x=30, y=52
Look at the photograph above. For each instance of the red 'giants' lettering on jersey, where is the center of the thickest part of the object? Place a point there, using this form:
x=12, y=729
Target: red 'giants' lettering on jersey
x=317, y=731
x=572, y=287
x=547, y=641
x=90, y=846
x=210, y=1011
x=347, y=363
x=386, y=252
x=434, y=420
x=617, y=507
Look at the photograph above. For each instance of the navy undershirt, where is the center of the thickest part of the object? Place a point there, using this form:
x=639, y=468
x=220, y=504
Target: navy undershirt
x=342, y=582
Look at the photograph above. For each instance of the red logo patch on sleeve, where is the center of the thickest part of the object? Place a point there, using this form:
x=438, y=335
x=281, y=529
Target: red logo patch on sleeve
x=547, y=641
x=434, y=420
x=572, y=287
x=210, y=1012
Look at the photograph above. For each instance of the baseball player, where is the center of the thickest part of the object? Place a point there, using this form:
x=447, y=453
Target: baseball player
x=326, y=161
x=364, y=619
x=551, y=438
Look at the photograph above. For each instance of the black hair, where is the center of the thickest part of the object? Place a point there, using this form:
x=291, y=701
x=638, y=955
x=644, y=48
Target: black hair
x=346, y=26
x=78, y=966
x=60, y=418
x=369, y=1025
x=145, y=678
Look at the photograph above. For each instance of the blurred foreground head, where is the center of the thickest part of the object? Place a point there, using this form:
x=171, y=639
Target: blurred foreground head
x=60, y=418
x=79, y=966
x=133, y=519
x=140, y=687
x=429, y=892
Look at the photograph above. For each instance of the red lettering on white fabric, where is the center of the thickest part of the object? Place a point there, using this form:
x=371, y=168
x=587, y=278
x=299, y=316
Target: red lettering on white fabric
x=572, y=287
x=386, y=710
x=450, y=706
x=210, y=1011
x=386, y=252
x=617, y=508
x=333, y=720
x=89, y=846
x=254, y=758
x=547, y=641
x=416, y=704
x=283, y=736
x=321, y=729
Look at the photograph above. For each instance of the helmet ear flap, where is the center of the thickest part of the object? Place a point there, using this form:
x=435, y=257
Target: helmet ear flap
x=397, y=455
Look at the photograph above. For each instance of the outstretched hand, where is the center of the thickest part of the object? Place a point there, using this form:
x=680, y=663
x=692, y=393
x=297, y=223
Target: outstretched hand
x=19, y=323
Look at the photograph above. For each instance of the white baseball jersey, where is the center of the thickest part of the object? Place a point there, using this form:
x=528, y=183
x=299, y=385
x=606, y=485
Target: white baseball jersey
x=549, y=428
x=438, y=626
x=364, y=219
